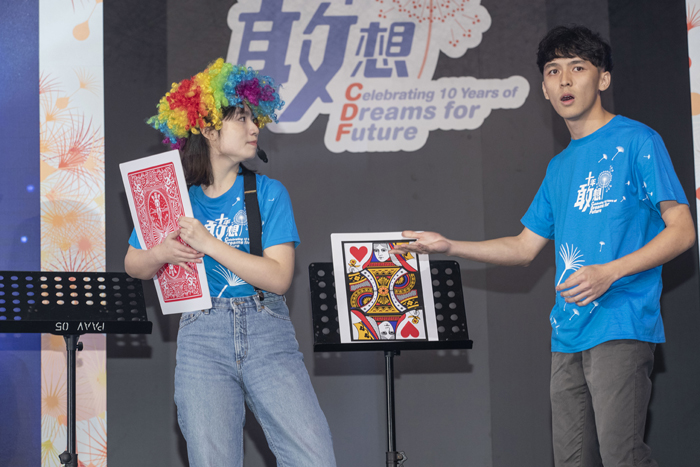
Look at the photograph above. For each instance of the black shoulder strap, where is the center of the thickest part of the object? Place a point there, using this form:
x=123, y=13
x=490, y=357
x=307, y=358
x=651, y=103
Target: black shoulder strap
x=253, y=213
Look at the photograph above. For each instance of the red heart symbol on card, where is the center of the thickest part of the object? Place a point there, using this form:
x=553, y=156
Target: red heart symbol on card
x=358, y=253
x=409, y=330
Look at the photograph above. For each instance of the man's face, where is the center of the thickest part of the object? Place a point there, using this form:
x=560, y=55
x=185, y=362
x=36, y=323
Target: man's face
x=573, y=86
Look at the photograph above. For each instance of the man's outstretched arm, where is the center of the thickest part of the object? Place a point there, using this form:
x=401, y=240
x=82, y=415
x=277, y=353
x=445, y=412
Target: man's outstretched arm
x=506, y=251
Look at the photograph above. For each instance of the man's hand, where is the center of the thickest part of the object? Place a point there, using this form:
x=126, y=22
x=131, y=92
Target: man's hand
x=588, y=283
x=426, y=243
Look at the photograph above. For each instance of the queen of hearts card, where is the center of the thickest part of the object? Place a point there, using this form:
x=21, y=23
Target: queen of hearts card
x=381, y=296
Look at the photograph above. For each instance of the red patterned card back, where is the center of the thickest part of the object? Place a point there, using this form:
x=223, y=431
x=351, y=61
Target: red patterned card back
x=158, y=204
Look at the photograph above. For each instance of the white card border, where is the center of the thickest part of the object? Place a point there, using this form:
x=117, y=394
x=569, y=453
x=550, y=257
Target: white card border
x=181, y=306
x=337, y=240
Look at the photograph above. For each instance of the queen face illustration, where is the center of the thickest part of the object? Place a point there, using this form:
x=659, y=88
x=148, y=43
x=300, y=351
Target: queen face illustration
x=386, y=331
x=381, y=251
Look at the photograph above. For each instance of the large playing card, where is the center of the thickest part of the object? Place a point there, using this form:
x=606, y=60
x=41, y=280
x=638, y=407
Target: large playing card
x=381, y=296
x=157, y=194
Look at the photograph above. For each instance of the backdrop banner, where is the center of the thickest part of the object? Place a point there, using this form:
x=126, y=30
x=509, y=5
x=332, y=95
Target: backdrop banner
x=368, y=65
x=693, y=21
x=72, y=211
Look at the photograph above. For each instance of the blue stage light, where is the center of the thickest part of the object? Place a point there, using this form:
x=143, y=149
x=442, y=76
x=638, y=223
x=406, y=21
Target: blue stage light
x=23, y=239
x=30, y=188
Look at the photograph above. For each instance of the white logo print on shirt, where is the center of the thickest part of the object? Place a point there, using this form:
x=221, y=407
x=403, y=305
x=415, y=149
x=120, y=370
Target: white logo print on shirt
x=233, y=233
x=228, y=231
x=592, y=193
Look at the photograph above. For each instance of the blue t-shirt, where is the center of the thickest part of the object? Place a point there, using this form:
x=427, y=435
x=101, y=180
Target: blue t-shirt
x=599, y=201
x=225, y=218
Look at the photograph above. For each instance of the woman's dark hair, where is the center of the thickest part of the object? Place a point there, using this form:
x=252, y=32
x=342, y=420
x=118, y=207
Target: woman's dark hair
x=195, y=155
x=574, y=41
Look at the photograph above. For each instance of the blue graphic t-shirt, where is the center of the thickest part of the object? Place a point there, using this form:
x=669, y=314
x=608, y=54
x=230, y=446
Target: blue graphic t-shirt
x=599, y=201
x=225, y=218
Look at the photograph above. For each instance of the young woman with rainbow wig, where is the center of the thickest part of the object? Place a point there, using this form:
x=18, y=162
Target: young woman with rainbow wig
x=242, y=350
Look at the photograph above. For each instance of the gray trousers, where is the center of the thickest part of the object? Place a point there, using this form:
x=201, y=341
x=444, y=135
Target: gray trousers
x=599, y=405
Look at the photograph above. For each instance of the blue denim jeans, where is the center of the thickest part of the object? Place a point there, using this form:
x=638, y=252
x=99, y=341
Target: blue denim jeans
x=243, y=351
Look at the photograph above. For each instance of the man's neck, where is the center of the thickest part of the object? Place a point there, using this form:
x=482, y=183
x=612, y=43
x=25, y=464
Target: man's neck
x=589, y=123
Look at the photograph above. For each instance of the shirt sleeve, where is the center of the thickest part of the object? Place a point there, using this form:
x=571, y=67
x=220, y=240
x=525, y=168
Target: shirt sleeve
x=655, y=174
x=134, y=240
x=539, y=217
x=277, y=215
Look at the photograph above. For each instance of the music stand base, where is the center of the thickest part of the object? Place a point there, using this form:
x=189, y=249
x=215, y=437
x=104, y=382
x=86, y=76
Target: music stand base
x=68, y=459
x=395, y=459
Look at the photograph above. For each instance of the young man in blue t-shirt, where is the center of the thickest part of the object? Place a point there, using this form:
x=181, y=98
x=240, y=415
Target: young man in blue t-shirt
x=613, y=205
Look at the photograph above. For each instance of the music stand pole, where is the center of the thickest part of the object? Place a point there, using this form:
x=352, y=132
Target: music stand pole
x=393, y=458
x=70, y=456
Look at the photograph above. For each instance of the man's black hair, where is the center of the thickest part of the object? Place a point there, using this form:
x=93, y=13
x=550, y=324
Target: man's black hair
x=574, y=41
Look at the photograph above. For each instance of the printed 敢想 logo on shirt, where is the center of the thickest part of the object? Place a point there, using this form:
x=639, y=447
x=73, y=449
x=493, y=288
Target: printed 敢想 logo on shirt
x=591, y=195
x=232, y=232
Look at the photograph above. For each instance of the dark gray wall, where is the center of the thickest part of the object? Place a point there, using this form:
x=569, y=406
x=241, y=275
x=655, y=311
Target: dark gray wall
x=485, y=407
x=653, y=87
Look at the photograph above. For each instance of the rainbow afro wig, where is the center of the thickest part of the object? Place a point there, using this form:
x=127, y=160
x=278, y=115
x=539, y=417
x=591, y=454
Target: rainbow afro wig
x=196, y=103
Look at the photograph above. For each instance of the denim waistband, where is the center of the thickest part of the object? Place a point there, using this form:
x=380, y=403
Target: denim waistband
x=224, y=302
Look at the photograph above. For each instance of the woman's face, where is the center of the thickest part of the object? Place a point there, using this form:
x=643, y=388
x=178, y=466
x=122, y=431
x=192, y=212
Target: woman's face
x=238, y=137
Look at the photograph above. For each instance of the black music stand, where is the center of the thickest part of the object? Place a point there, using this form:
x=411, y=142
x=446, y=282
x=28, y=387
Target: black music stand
x=71, y=304
x=449, y=311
